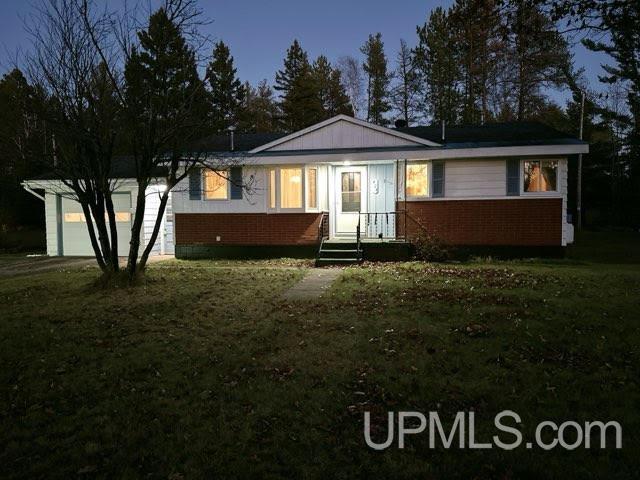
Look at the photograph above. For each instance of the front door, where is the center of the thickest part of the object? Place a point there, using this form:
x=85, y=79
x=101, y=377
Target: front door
x=350, y=192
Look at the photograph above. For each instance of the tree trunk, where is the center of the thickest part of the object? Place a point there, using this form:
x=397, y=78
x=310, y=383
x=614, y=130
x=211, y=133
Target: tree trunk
x=156, y=229
x=136, y=229
x=92, y=237
x=113, y=230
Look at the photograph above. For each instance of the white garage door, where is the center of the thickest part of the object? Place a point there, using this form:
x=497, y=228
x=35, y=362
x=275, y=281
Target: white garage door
x=75, y=237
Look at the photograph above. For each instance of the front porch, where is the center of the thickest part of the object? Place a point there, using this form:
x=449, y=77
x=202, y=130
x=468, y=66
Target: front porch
x=375, y=238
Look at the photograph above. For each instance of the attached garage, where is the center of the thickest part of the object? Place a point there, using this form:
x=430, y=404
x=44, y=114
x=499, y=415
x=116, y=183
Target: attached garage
x=74, y=235
x=66, y=226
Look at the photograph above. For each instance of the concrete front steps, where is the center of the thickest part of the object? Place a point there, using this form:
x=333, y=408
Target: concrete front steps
x=338, y=252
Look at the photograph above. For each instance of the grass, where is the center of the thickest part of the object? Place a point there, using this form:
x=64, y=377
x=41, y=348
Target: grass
x=202, y=371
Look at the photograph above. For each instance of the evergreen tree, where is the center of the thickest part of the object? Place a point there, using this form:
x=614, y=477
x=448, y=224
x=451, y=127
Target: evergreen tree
x=377, y=78
x=538, y=56
x=330, y=91
x=259, y=111
x=438, y=61
x=405, y=94
x=478, y=32
x=22, y=149
x=612, y=27
x=167, y=111
x=226, y=91
x=300, y=105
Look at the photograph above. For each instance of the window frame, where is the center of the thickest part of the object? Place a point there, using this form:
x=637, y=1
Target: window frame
x=307, y=206
x=428, y=164
x=549, y=193
x=226, y=173
x=278, y=197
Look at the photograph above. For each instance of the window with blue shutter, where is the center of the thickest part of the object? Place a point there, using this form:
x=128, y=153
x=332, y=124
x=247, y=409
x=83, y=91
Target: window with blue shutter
x=195, y=184
x=513, y=177
x=437, y=179
x=235, y=178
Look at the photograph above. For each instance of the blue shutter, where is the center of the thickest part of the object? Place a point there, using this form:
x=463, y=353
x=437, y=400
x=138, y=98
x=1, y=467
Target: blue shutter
x=235, y=178
x=513, y=177
x=195, y=184
x=437, y=179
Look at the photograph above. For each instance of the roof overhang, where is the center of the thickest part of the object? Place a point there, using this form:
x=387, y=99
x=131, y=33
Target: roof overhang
x=360, y=155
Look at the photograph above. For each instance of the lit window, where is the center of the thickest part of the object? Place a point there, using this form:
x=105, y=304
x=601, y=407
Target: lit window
x=312, y=188
x=72, y=217
x=272, y=189
x=215, y=185
x=417, y=180
x=123, y=216
x=291, y=188
x=540, y=176
x=351, y=192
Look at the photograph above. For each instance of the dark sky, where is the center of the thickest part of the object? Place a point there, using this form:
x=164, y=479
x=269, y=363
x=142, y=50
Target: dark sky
x=259, y=32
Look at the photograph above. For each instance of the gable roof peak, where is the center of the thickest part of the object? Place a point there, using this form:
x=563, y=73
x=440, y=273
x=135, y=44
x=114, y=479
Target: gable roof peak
x=395, y=134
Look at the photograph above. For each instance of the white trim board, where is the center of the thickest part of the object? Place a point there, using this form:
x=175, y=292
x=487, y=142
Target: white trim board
x=422, y=154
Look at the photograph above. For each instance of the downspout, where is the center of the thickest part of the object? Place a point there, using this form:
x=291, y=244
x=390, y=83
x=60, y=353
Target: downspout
x=31, y=191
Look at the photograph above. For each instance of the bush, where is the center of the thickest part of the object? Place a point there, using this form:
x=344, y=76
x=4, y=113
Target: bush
x=429, y=248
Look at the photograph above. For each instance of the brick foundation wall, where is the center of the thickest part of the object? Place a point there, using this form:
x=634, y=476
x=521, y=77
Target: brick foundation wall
x=246, y=228
x=517, y=222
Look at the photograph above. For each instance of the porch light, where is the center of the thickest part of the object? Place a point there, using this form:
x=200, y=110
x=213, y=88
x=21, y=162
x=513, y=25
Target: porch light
x=296, y=179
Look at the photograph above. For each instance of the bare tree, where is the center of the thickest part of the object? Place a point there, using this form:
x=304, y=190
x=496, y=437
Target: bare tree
x=81, y=113
x=406, y=91
x=352, y=78
x=113, y=79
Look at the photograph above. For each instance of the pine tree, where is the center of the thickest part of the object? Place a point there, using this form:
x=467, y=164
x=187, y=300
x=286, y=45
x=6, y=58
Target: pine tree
x=438, y=61
x=167, y=110
x=375, y=68
x=226, y=91
x=300, y=105
x=162, y=82
x=406, y=91
x=259, y=111
x=478, y=30
x=538, y=56
x=331, y=92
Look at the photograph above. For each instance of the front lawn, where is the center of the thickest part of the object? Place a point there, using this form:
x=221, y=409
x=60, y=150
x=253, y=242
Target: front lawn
x=204, y=372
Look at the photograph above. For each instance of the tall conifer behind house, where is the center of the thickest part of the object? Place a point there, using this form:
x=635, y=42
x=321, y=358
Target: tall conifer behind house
x=377, y=79
x=330, y=90
x=300, y=105
x=226, y=91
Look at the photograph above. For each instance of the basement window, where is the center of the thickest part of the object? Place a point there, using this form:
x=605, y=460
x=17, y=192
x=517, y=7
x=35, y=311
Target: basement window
x=540, y=176
x=216, y=186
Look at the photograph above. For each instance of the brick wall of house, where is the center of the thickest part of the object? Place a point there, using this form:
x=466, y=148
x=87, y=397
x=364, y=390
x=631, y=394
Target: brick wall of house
x=517, y=222
x=246, y=228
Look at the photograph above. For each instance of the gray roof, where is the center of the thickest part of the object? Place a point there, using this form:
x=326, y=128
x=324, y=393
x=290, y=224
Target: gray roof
x=122, y=166
x=513, y=132
x=463, y=136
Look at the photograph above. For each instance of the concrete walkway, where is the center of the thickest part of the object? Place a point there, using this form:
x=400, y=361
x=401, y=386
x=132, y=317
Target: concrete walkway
x=314, y=284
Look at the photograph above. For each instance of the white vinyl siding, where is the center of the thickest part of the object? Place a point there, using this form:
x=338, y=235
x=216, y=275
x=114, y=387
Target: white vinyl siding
x=475, y=178
x=51, y=223
x=255, y=201
x=343, y=134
